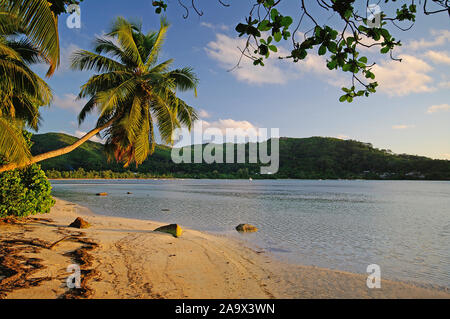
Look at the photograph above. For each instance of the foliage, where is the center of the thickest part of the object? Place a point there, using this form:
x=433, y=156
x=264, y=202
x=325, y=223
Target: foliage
x=308, y=158
x=38, y=22
x=26, y=37
x=133, y=92
x=25, y=192
x=342, y=42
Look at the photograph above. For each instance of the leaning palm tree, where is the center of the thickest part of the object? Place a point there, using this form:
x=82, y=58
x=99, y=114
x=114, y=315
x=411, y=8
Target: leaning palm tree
x=133, y=92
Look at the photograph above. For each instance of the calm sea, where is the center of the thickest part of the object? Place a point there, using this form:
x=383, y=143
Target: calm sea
x=403, y=226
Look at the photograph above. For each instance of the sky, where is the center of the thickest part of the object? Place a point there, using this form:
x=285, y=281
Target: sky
x=410, y=113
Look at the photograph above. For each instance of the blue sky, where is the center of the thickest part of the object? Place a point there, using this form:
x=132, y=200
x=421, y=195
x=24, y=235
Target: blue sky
x=409, y=114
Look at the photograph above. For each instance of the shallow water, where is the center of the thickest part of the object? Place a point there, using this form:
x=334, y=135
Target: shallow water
x=403, y=226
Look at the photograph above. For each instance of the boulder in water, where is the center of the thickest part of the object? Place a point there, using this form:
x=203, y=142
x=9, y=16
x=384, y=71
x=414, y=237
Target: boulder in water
x=246, y=228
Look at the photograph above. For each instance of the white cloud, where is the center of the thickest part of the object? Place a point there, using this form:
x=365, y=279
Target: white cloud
x=439, y=37
x=212, y=26
x=317, y=65
x=438, y=108
x=402, y=78
x=412, y=75
x=80, y=134
x=66, y=55
x=216, y=131
x=226, y=51
x=402, y=127
x=204, y=114
x=69, y=102
x=343, y=137
x=438, y=56
x=224, y=124
x=445, y=85
x=446, y=156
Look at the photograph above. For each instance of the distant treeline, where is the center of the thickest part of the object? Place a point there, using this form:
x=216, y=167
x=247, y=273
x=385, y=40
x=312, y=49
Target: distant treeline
x=306, y=158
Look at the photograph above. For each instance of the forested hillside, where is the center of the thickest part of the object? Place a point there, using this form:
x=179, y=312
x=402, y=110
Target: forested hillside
x=301, y=158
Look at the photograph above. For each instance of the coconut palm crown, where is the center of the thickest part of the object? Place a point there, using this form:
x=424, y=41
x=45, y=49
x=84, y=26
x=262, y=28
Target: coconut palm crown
x=133, y=91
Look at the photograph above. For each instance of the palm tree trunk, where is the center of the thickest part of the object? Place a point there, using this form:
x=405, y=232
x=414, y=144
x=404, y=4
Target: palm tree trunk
x=55, y=153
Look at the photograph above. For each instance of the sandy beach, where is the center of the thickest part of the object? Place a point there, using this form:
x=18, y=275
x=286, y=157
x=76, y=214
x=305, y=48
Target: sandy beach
x=124, y=258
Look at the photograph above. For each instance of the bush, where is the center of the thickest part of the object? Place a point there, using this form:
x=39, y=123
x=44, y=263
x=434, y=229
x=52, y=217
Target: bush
x=25, y=192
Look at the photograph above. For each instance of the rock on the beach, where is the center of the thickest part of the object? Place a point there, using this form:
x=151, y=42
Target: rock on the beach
x=173, y=229
x=102, y=194
x=80, y=223
x=246, y=228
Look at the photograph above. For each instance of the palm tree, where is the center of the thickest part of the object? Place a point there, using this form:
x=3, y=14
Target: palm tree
x=22, y=92
x=132, y=93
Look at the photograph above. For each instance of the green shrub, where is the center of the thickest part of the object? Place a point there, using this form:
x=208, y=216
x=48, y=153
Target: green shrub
x=25, y=192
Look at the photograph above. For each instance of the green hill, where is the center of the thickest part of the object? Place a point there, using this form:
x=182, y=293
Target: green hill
x=303, y=158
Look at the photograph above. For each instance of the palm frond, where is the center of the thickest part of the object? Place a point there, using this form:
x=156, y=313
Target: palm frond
x=103, y=82
x=27, y=51
x=162, y=67
x=40, y=25
x=107, y=46
x=159, y=41
x=84, y=60
x=185, y=79
x=110, y=99
x=122, y=30
x=13, y=146
x=87, y=108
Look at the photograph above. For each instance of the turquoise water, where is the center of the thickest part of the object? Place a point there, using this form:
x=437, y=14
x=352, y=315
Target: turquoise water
x=403, y=226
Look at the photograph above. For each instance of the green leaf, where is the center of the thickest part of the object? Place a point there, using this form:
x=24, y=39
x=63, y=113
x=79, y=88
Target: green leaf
x=332, y=47
x=332, y=64
x=277, y=36
x=385, y=50
x=286, y=21
x=273, y=48
x=274, y=13
x=322, y=50
x=363, y=59
x=264, y=25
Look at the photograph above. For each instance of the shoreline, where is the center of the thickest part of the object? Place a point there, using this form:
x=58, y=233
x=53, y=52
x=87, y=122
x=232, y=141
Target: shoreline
x=246, y=179
x=124, y=258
